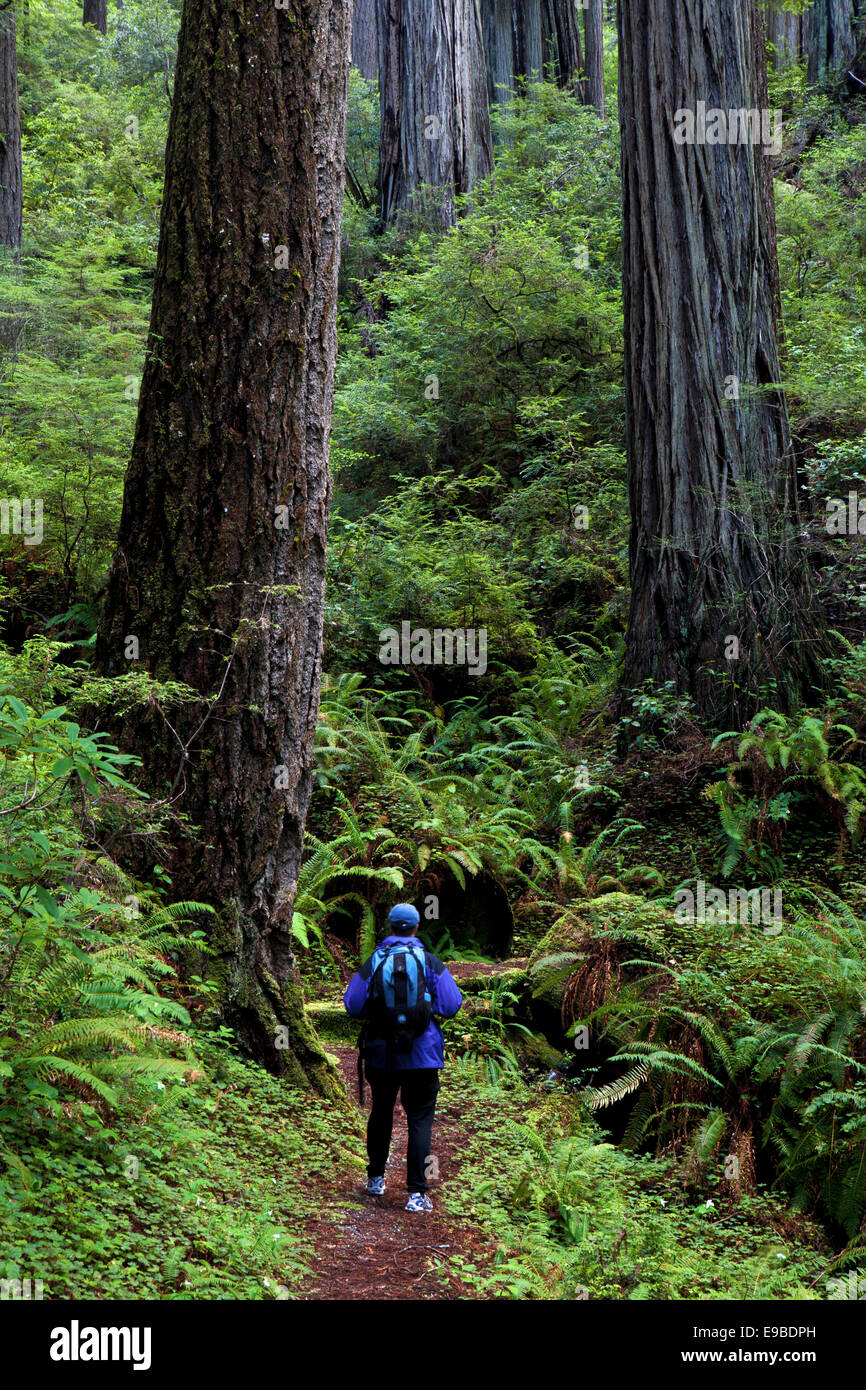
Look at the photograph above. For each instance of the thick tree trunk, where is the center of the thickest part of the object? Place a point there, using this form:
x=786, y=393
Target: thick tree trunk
x=528, y=44
x=833, y=36
x=220, y=565
x=364, y=45
x=96, y=13
x=720, y=595
x=561, y=46
x=785, y=31
x=498, y=48
x=593, y=20
x=531, y=39
x=10, y=135
x=435, y=127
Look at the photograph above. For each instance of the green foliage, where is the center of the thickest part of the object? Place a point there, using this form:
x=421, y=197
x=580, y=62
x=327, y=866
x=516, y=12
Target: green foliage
x=479, y=408
x=331, y=864
x=780, y=756
x=81, y=970
x=821, y=221
x=402, y=814
x=74, y=309
x=424, y=557
x=725, y=1032
x=497, y=311
x=488, y=1024
x=571, y=1216
x=657, y=717
x=205, y=1193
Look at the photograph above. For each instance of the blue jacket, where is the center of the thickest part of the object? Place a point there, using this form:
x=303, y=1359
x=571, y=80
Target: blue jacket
x=427, y=1050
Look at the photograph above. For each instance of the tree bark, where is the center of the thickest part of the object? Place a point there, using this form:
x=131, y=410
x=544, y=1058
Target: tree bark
x=712, y=487
x=96, y=13
x=435, y=122
x=531, y=38
x=785, y=31
x=496, y=23
x=220, y=564
x=528, y=47
x=833, y=33
x=10, y=135
x=561, y=46
x=593, y=19
x=364, y=45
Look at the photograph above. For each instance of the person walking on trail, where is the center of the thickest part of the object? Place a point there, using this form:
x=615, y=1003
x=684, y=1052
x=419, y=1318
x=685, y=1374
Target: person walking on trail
x=397, y=992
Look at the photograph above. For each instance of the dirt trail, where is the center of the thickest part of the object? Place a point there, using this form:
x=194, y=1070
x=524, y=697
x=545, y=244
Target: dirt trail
x=375, y=1249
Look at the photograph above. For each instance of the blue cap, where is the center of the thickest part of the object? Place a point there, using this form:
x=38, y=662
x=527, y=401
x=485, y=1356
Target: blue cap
x=405, y=914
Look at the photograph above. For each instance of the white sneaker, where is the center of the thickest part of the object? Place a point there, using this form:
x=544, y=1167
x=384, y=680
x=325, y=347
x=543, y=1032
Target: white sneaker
x=419, y=1201
x=376, y=1186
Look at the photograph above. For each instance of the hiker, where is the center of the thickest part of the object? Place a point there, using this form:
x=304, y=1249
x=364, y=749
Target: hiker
x=397, y=992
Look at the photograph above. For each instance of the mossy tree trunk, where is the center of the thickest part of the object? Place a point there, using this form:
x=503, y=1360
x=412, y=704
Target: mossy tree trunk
x=720, y=593
x=219, y=572
x=435, y=121
x=10, y=134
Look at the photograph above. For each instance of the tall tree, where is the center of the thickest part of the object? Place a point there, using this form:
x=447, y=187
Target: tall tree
x=364, y=44
x=10, y=134
x=526, y=38
x=562, y=54
x=435, y=126
x=593, y=20
x=96, y=13
x=218, y=578
x=785, y=31
x=833, y=36
x=720, y=593
x=830, y=35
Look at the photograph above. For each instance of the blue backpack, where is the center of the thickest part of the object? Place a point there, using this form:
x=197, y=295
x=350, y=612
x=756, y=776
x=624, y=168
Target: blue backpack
x=399, y=1005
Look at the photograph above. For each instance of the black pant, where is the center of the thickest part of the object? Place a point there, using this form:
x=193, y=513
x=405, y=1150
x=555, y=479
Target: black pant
x=418, y=1090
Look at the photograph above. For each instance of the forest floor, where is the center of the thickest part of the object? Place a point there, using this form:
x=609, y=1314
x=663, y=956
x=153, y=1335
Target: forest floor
x=370, y=1247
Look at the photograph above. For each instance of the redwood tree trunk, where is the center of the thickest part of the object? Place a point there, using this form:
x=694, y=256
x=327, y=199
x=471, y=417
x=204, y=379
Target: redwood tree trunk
x=10, y=135
x=496, y=23
x=435, y=127
x=96, y=13
x=528, y=47
x=593, y=20
x=562, y=51
x=220, y=565
x=364, y=46
x=531, y=38
x=785, y=31
x=713, y=554
x=833, y=36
